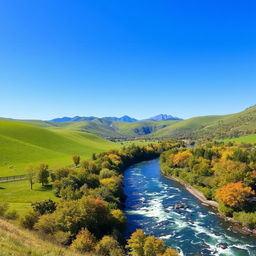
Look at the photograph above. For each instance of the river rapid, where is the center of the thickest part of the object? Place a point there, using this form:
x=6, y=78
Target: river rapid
x=196, y=230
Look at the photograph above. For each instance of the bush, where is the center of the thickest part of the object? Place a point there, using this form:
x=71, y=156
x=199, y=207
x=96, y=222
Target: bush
x=43, y=207
x=108, y=246
x=62, y=238
x=106, y=173
x=29, y=220
x=246, y=219
x=3, y=207
x=46, y=224
x=11, y=215
x=225, y=210
x=84, y=242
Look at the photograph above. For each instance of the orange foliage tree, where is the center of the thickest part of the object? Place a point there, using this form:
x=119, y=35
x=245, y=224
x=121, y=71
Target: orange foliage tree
x=181, y=159
x=234, y=194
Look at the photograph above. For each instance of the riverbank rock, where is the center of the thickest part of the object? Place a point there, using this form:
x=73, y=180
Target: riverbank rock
x=222, y=245
x=180, y=206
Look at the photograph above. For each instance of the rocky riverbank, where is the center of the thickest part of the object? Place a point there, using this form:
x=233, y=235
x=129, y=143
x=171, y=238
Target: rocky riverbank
x=234, y=227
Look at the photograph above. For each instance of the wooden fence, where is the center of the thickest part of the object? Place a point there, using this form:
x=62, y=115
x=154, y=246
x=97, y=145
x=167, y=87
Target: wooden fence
x=13, y=178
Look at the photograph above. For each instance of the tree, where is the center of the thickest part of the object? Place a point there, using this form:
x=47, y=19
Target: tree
x=181, y=159
x=170, y=252
x=153, y=246
x=234, y=194
x=108, y=246
x=31, y=175
x=84, y=242
x=76, y=160
x=42, y=174
x=43, y=207
x=136, y=243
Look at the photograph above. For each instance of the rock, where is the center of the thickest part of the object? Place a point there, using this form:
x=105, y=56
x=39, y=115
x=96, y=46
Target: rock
x=222, y=245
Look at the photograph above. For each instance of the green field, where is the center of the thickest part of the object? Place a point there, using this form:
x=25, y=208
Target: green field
x=23, y=143
x=244, y=139
x=19, y=196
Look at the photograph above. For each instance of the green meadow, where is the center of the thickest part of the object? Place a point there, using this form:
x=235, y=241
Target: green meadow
x=22, y=144
x=243, y=139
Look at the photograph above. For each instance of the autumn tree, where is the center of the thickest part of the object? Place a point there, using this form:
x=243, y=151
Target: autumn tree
x=84, y=242
x=136, y=243
x=108, y=246
x=234, y=194
x=76, y=160
x=181, y=159
x=42, y=174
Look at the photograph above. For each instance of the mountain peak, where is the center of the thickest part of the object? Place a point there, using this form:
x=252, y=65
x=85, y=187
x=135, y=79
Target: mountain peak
x=163, y=117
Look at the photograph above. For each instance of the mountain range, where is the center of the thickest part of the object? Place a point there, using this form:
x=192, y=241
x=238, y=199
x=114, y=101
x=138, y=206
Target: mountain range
x=125, y=118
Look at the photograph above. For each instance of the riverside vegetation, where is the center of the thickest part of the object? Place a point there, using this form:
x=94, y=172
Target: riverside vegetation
x=88, y=216
x=222, y=172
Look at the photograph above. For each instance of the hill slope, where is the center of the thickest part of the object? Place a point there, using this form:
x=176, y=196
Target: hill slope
x=208, y=127
x=15, y=241
x=23, y=143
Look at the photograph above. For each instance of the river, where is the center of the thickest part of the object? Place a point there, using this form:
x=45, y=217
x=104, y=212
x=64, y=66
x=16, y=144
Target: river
x=196, y=230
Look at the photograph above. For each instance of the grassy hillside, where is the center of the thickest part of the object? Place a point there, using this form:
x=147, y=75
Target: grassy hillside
x=23, y=143
x=245, y=139
x=142, y=128
x=15, y=241
x=218, y=127
x=107, y=128
x=186, y=127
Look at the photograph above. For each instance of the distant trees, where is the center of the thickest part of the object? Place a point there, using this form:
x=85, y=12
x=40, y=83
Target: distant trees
x=76, y=160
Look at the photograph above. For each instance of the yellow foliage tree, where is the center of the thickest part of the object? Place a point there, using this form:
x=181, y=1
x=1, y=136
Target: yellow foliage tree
x=234, y=194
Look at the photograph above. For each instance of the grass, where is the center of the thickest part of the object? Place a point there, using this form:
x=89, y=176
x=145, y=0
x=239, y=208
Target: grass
x=15, y=241
x=23, y=143
x=187, y=125
x=19, y=196
x=243, y=139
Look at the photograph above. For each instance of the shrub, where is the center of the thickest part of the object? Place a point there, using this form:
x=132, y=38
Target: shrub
x=46, y=224
x=62, y=238
x=84, y=242
x=29, y=220
x=225, y=210
x=3, y=207
x=106, y=173
x=108, y=246
x=43, y=207
x=247, y=219
x=11, y=215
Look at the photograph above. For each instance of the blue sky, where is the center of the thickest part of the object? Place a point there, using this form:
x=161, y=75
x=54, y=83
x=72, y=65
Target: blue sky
x=141, y=58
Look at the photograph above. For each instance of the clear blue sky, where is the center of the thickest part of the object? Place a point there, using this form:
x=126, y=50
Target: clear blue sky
x=135, y=57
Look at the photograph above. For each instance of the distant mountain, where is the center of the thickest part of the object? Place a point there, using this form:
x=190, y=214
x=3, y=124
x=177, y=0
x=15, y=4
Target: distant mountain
x=163, y=117
x=127, y=119
x=122, y=119
x=72, y=119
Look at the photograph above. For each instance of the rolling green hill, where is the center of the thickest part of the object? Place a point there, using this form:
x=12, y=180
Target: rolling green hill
x=106, y=128
x=217, y=127
x=24, y=143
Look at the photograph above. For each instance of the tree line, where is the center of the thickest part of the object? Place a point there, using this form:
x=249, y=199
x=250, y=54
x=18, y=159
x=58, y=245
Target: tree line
x=223, y=172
